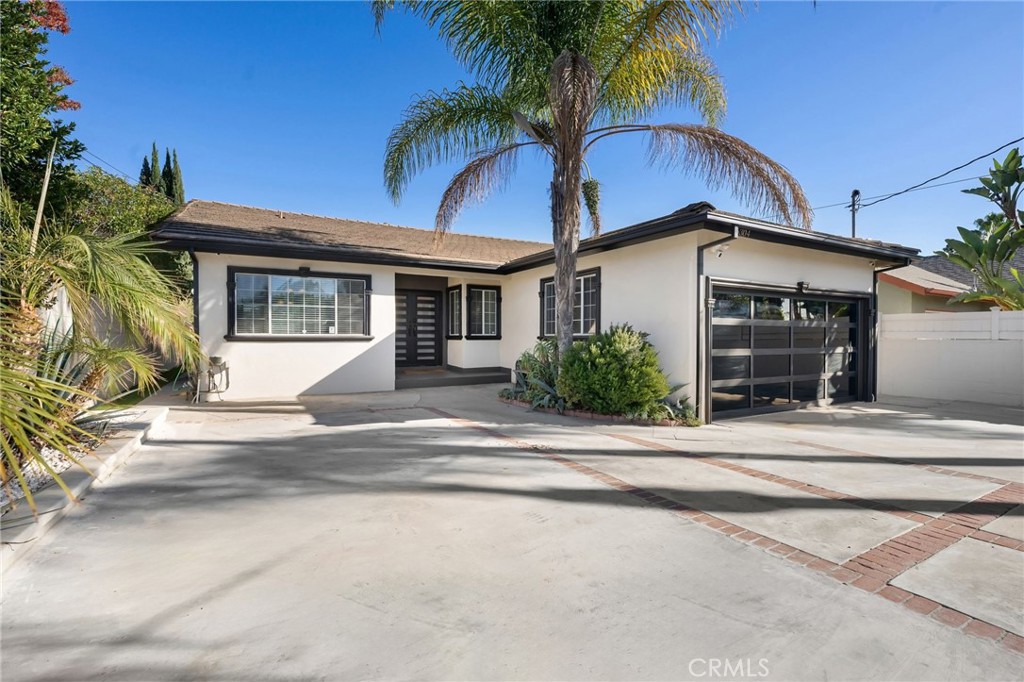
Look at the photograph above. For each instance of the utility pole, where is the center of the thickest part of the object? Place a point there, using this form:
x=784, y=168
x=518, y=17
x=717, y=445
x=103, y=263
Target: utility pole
x=854, y=207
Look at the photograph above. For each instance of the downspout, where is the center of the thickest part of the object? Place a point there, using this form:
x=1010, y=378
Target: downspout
x=874, y=326
x=195, y=290
x=702, y=399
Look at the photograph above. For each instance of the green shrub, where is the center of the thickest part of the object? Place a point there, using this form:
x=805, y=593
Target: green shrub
x=614, y=372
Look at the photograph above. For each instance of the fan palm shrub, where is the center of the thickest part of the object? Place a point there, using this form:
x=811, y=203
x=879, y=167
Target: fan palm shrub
x=106, y=280
x=561, y=77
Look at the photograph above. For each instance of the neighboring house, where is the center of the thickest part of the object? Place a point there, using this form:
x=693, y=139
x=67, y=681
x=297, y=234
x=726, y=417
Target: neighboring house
x=928, y=284
x=915, y=290
x=750, y=315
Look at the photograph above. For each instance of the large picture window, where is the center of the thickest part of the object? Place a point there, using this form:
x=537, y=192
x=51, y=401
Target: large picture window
x=484, y=312
x=281, y=303
x=586, y=308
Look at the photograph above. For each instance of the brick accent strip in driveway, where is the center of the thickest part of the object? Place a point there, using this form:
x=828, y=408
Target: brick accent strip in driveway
x=861, y=572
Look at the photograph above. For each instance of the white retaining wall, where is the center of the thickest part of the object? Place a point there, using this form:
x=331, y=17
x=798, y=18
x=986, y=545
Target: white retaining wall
x=975, y=357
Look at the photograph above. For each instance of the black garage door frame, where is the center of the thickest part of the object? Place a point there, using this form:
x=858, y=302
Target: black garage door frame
x=864, y=343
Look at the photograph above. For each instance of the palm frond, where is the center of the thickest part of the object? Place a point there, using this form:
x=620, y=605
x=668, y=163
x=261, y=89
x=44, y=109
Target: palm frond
x=487, y=172
x=442, y=126
x=661, y=77
x=35, y=393
x=725, y=161
x=109, y=279
x=683, y=25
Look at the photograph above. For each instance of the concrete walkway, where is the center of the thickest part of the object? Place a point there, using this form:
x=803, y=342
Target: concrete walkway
x=443, y=535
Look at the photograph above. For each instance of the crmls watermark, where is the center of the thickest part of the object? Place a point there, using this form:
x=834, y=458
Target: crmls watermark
x=728, y=668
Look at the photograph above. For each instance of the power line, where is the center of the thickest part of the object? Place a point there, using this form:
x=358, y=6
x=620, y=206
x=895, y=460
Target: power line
x=941, y=175
x=109, y=165
x=941, y=184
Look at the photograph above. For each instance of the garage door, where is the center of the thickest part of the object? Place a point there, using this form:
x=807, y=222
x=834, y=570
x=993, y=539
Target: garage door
x=772, y=351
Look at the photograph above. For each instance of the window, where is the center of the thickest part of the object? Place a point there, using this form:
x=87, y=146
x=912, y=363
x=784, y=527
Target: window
x=586, y=308
x=484, y=312
x=282, y=303
x=455, y=312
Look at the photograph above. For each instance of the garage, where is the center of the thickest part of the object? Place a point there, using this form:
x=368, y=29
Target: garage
x=777, y=349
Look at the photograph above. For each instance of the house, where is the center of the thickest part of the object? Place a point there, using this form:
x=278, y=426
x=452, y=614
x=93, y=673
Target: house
x=929, y=283
x=749, y=315
x=915, y=290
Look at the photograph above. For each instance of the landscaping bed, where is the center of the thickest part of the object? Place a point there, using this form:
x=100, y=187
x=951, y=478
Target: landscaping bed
x=611, y=376
x=586, y=414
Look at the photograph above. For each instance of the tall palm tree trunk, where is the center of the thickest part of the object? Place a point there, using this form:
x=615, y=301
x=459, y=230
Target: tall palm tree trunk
x=573, y=95
x=565, y=228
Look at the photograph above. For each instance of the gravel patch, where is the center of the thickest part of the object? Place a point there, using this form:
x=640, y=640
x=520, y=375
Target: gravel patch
x=38, y=477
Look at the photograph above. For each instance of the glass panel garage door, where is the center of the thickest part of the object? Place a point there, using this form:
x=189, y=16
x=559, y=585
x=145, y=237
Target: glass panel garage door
x=770, y=351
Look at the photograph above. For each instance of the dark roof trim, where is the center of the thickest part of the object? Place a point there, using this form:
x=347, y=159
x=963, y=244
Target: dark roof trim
x=694, y=217
x=703, y=216
x=239, y=247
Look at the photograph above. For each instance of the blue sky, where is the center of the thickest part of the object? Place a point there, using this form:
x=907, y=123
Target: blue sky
x=288, y=106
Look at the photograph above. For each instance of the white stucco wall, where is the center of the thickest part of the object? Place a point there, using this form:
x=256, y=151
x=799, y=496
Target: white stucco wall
x=473, y=353
x=767, y=263
x=285, y=369
x=650, y=286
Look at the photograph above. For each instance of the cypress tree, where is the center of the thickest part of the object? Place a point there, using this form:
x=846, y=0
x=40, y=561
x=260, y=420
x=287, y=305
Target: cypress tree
x=154, y=167
x=179, y=184
x=146, y=174
x=168, y=175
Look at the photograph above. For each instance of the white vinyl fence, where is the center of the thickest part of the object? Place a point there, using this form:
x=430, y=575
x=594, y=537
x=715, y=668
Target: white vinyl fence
x=975, y=357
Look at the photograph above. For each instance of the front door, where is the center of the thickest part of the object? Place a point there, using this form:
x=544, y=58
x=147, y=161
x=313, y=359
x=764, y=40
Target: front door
x=417, y=328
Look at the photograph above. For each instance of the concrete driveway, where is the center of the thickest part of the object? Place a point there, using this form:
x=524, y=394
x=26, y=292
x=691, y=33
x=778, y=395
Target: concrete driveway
x=443, y=535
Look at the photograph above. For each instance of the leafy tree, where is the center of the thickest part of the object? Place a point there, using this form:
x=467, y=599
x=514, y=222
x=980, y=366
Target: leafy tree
x=113, y=206
x=146, y=174
x=31, y=94
x=1002, y=186
x=560, y=77
x=109, y=206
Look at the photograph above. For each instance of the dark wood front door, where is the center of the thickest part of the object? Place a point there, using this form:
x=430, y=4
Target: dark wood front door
x=417, y=328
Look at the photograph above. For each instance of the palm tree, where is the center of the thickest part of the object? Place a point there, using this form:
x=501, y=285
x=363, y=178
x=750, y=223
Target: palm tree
x=47, y=378
x=562, y=76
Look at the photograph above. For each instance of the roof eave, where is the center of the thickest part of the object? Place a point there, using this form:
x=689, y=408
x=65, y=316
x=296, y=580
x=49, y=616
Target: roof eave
x=674, y=224
x=919, y=289
x=240, y=247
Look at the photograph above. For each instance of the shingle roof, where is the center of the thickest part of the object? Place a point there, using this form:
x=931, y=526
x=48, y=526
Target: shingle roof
x=268, y=227
x=924, y=282
x=941, y=265
x=229, y=228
